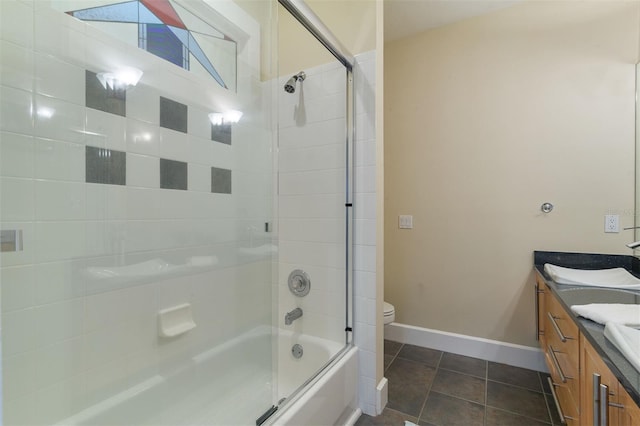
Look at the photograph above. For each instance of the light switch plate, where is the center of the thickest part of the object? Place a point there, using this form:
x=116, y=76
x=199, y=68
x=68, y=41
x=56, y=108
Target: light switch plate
x=405, y=221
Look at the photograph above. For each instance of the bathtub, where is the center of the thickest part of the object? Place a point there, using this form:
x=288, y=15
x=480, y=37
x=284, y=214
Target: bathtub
x=234, y=384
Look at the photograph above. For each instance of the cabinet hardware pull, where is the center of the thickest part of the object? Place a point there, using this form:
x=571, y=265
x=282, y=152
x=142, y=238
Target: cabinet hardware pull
x=537, y=310
x=562, y=337
x=552, y=386
x=616, y=405
x=552, y=353
x=596, y=399
x=604, y=405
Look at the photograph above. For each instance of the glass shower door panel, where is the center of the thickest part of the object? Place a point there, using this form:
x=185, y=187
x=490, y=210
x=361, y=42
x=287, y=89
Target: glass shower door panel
x=312, y=195
x=133, y=267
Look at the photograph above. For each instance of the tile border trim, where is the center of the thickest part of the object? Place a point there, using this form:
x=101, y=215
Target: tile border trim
x=491, y=350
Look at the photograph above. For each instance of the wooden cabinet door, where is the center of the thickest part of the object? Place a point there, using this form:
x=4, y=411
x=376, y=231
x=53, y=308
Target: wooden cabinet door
x=629, y=413
x=595, y=379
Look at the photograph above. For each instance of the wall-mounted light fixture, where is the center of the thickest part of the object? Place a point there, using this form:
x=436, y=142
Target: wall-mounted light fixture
x=229, y=117
x=121, y=79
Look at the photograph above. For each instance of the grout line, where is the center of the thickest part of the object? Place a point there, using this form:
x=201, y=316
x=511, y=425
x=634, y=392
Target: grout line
x=486, y=390
x=424, y=404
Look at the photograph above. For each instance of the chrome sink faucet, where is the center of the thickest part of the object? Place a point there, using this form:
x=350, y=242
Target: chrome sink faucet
x=290, y=317
x=635, y=244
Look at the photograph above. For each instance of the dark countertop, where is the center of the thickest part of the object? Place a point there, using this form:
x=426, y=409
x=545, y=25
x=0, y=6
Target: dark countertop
x=569, y=295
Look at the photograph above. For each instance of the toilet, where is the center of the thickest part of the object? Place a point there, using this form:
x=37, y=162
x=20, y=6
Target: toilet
x=389, y=313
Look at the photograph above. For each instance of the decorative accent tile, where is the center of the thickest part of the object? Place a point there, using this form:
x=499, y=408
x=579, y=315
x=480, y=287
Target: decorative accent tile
x=221, y=133
x=173, y=174
x=220, y=181
x=111, y=100
x=173, y=115
x=105, y=166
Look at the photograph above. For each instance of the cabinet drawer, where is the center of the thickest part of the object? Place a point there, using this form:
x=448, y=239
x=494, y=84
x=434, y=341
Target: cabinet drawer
x=568, y=404
x=560, y=329
x=564, y=373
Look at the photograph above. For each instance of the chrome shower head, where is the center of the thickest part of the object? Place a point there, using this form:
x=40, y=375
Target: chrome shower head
x=290, y=86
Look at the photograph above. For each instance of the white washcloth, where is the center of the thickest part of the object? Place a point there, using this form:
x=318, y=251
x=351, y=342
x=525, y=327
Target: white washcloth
x=602, y=313
x=614, y=277
x=627, y=340
x=408, y=423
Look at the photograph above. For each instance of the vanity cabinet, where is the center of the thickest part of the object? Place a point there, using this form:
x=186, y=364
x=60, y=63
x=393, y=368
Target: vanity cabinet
x=562, y=354
x=584, y=388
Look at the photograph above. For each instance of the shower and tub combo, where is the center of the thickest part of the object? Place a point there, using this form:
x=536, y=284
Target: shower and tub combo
x=173, y=253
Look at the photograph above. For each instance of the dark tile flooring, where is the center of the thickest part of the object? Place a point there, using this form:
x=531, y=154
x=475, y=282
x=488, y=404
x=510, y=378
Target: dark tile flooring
x=435, y=388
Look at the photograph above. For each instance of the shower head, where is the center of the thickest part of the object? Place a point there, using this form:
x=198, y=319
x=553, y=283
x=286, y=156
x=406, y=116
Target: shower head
x=290, y=86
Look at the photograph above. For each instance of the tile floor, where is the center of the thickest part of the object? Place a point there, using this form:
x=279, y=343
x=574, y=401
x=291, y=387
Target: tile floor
x=430, y=387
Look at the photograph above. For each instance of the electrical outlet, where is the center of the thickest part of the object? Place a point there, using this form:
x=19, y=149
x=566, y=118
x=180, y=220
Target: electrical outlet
x=405, y=221
x=611, y=223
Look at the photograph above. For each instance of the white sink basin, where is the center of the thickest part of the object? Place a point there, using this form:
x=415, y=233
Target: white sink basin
x=614, y=277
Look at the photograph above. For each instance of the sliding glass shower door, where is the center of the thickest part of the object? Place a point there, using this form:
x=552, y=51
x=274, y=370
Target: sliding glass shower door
x=136, y=208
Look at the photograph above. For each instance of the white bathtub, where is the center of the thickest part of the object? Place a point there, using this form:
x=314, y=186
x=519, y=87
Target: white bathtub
x=330, y=397
x=234, y=384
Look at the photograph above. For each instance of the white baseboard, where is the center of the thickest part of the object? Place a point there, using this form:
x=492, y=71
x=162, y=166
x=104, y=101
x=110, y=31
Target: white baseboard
x=476, y=347
x=382, y=395
x=353, y=418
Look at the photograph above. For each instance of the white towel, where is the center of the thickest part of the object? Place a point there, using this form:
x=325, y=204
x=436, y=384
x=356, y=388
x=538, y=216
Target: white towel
x=602, y=313
x=613, y=278
x=627, y=340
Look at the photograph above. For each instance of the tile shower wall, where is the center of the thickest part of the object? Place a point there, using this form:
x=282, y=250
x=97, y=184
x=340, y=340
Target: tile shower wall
x=70, y=336
x=311, y=211
x=365, y=229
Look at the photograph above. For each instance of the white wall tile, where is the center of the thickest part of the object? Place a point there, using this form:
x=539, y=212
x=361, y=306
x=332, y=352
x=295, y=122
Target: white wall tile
x=19, y=375
x=58, y=160
x=365, y=232
x=198, y=123
x=59, y=321
x=313, y=230
x=59, y=79
x=60, y=400
x=143, y=104
x=59, y=241
x=59, y=120
x=15, y=110
x=17, y=199
x=60, y=35
x=59, y=281
x=199, y=178
x=174, y=145
x=16, y=67
x=57, y=200
x=365, y=179
x=18, y=287
x=16, y=155
x=143, y=171
x=201, y=150
x=19, y=331
x=365, y=284
x=364, y=258
x=313, y=158
x=365, y=205
x=59, y=361
x=16, y=22
x=105, y=130
x=106, y=202
x=320, y=133
x=313, y=182
x=142, y=137
x=20, y=411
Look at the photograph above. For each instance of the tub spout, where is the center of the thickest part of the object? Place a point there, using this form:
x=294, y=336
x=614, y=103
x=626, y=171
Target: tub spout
x=290, y=317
